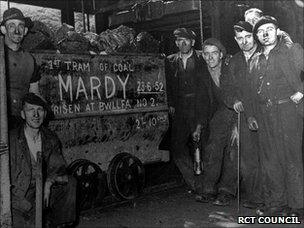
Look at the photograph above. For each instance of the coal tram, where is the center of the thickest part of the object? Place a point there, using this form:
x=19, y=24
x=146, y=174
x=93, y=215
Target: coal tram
x=110, y=113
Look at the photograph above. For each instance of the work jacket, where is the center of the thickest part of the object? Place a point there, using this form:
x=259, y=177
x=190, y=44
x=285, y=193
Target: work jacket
x=187, y=89
x=21, y=169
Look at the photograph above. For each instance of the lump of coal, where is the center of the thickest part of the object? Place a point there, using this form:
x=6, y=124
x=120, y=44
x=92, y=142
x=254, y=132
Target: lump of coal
x=40, y=36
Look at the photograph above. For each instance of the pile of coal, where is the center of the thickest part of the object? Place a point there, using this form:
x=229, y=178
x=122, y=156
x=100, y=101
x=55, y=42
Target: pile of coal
x=117, y=40
x=145, y=43
x=39, y=36
x=67, y=40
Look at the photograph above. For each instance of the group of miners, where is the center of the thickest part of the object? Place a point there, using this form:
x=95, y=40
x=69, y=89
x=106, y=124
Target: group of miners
x=247, y=112
x=208, y=91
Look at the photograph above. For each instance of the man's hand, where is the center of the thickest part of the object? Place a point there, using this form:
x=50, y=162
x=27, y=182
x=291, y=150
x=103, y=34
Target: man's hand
x=47, y=192
x=252, y=124
x=171, y=110
x=197, y=133
x=296, y=98
x=48, y=185
x=234, y=135
x=238, y=106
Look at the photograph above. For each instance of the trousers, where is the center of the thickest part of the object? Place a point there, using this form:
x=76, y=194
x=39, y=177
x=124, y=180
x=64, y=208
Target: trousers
x=62, y=207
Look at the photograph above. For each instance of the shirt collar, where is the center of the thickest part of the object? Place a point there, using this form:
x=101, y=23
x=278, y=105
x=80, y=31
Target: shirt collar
x=179, y=55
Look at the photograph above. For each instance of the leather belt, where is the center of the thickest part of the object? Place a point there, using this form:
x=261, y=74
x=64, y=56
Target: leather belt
x=270, y=102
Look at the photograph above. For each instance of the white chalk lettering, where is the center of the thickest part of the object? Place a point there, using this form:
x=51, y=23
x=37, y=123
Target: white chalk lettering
x=66, y=109
x=68, y=64
x=67, y=86
x=122, y=67
x=103, y=66
x=107, y=80
x=75, y=66
x=123, y=84
x=90, y=107
x=81, y=88
x=114, y=105
x=95, y=87
x=86, y=67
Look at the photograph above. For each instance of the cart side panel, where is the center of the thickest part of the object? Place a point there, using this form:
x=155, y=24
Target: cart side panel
x=105, y=105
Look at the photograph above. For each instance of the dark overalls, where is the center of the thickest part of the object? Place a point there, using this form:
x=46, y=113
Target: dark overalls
x=280, y=127
x=219, y=161
x=237, y=86
x=188, y=94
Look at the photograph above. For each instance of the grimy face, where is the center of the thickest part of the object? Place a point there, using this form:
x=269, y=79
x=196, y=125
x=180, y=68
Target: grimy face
x=184, y=45
x=252, y=18
x=212, y=55
x=267, y=34
x=33, y=115
x=14, y=30
x=245, y=40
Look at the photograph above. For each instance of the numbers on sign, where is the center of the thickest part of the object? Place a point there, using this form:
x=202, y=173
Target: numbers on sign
x=140, y=86
x=150, y=87
x=152, y=122
x=148, y=122
x=152, y=100
x=137, y=121
x=159, y=86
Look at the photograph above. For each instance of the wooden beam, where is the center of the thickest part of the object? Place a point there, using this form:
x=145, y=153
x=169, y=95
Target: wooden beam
x=5, y=184
x=67, y=13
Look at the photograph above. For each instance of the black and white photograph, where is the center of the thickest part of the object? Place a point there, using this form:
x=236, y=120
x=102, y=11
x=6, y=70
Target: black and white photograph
x=151, y=113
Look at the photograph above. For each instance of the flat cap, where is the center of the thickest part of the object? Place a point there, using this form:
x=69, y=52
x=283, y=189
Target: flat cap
x=184, y=33
x=34, y=99
x=243, y=25
x=14, y=13
x=215, y=42
x=253, y=10
x=264, y=20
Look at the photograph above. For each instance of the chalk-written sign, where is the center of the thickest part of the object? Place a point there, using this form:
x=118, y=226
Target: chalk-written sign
x=81, y=85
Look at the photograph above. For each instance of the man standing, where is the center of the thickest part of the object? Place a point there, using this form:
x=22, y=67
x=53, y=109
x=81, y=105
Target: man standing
x=188, y=102
x=21, y=68
x=219, y=176
x=237, y=87
x=279, y=91
x=59, y=188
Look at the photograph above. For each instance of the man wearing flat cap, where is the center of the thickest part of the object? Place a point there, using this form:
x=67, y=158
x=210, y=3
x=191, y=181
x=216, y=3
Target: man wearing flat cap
x=188, y=102
x=219, y=176
x=237, y=96
x=278, y=92
x=21, y=67
x=59, y=188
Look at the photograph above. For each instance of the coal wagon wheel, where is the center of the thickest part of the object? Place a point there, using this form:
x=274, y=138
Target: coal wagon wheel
x=91, y=183
x=126, y=176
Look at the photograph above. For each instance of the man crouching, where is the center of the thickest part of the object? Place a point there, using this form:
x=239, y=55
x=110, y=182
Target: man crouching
x=59, y=188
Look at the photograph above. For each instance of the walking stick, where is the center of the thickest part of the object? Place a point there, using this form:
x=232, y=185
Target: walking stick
x=39, y=193
x=238, y=160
